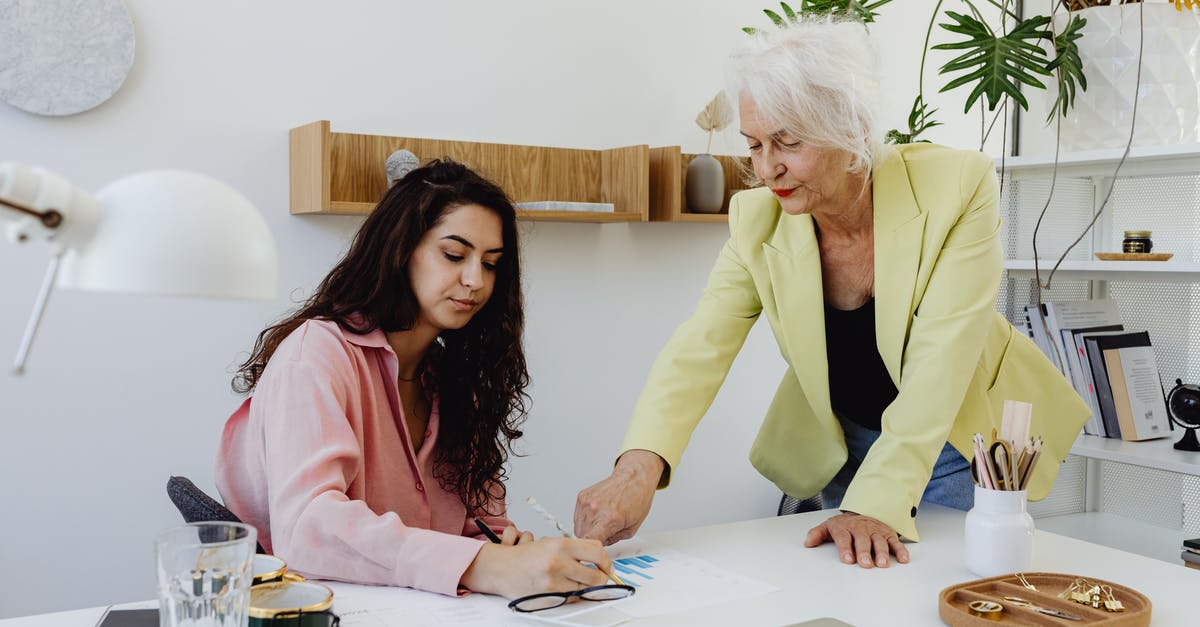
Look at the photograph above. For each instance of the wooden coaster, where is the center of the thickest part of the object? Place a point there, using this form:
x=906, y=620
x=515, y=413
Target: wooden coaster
x=1134, y=256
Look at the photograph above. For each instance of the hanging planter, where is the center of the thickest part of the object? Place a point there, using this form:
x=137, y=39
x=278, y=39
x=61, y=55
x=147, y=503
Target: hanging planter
x=1168, y=96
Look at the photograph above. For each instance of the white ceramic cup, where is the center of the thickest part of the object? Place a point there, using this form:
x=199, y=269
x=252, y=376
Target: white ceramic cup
x=998, y=538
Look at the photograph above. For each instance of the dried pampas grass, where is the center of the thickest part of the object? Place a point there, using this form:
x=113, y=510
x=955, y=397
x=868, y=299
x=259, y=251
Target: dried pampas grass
x=715, y=116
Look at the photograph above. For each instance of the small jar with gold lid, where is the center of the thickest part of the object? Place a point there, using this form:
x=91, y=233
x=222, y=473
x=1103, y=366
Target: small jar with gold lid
x=291, y=604
x=1136, y=242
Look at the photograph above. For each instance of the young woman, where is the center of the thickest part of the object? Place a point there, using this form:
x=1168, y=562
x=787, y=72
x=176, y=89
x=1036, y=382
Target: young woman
x=383, y=410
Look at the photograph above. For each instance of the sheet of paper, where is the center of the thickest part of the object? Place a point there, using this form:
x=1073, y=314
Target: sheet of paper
x=384, y=606
x=668, y=581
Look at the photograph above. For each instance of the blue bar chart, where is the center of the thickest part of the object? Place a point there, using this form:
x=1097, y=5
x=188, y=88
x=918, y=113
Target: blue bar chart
x=638, y=567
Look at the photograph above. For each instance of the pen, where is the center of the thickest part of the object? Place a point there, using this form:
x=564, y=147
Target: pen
x=537, y=507
x=487, y=531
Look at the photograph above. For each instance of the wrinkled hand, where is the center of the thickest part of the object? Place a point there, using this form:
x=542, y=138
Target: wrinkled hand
x=533, y=567
x=613, y=509
x=860, y=539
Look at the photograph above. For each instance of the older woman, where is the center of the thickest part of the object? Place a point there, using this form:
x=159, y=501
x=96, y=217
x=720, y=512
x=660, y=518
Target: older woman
x=877, y=269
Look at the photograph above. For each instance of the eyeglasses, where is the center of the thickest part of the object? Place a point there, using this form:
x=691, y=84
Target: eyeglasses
x=550, y=600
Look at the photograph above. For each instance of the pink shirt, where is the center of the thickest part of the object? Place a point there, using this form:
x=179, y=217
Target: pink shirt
x=320, y=462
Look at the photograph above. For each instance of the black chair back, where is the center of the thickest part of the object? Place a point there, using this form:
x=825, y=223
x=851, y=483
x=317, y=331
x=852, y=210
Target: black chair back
x=196, y=506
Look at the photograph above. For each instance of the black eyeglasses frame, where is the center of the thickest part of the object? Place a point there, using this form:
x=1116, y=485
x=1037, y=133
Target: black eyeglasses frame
x=565, y=597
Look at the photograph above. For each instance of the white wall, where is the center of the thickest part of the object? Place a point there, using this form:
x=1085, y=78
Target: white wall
x=123, y=392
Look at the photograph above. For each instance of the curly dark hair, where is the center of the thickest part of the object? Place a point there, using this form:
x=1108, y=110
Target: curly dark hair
x=478, y=373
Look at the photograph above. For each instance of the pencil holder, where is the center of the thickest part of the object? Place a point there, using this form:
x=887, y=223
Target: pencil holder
x=998, y=538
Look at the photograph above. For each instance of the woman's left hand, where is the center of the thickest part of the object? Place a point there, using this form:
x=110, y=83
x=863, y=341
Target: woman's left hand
x=860, y=539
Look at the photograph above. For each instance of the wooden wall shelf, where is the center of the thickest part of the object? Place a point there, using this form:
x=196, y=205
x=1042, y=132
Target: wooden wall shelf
x=668, y=169
x=343, y=173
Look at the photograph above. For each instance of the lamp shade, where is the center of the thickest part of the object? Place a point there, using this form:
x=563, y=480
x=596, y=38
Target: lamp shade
x=173, y=232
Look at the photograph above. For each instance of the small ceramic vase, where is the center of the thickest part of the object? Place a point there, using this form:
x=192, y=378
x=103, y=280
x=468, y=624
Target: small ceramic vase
x=705, y=185
x=998, y=538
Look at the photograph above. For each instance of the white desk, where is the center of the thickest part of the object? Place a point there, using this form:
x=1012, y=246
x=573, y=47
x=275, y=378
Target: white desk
x=812, y=583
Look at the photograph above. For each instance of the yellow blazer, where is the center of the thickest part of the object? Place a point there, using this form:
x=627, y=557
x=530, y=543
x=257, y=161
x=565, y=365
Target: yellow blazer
x=953, y=358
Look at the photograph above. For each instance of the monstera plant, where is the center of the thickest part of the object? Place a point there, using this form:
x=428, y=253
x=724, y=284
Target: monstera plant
x=999, y=53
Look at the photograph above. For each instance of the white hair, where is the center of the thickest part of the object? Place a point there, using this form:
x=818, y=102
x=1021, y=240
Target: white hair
x=817, y=81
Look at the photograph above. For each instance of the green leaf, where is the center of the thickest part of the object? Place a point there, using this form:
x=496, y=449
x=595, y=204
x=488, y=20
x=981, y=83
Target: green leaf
x=787, y=11
x=996, y=64
x=919, y=120
x=855, y=9
x=1068, y=65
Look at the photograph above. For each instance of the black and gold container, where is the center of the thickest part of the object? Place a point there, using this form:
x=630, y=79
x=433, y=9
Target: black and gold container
x=268, y=568
x=292, y=604
x=1136, y=242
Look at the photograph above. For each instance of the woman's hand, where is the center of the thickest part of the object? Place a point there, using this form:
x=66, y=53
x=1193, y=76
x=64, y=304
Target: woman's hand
x=512, y=536
x=859, y=538
x=613, y=509
x=533, y=567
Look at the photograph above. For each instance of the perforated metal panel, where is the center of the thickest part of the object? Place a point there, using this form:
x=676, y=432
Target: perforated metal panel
x=1167, y=205
x=1146, y=494
x=1069, y=493
x=1191, y=513
x=1170, y=312
x=1022, y=200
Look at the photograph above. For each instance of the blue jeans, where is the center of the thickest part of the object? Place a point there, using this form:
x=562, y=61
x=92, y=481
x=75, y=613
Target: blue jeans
x=950, y=485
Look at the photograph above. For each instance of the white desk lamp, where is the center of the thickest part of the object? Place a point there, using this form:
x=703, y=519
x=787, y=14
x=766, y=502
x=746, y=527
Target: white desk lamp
x=161, y=232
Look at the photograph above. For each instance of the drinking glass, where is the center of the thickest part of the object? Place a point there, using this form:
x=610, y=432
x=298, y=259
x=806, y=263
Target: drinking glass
x=204, y=574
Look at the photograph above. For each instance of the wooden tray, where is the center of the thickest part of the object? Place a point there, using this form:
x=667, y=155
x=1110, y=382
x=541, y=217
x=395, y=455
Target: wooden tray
x=1134, y=256
x=953, y=601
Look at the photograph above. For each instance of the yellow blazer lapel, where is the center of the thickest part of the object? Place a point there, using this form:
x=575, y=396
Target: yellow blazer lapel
x=899, y=229
x=794, y=265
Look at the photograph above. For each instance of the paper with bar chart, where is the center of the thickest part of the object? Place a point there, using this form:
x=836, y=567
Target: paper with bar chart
x=668, y=581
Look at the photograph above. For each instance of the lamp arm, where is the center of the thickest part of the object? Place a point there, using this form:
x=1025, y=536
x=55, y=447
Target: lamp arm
x=50, y=218
x=39, y=308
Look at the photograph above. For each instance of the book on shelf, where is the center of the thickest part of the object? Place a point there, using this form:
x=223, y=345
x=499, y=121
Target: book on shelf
x=1039, y=332
x=1104, y=399
x=1053, y=328
x=1135, y=401
x=1191, y=560
x=1081, y=372
x=1193, y=544
x=1078, y=314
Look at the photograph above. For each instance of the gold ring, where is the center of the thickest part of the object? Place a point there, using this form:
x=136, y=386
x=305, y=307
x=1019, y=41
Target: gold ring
x=986, y=609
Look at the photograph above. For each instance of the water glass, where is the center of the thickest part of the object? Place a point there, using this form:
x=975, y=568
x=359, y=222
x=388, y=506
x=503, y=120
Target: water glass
x=204, y=574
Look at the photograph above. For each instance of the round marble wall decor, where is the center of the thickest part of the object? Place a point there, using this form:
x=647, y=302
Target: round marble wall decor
x=60, y=57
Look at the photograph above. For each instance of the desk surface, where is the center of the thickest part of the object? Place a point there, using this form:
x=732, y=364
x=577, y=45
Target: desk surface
x=812, y=583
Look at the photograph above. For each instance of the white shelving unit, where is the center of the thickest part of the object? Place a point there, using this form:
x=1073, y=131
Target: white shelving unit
x=1121, y=531
x=1159, y=454
x=1142, y=497
x=1166, y=271
x=1142, y=161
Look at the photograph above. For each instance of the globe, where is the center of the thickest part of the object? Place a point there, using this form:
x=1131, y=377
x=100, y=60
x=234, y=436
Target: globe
x=1183, y=403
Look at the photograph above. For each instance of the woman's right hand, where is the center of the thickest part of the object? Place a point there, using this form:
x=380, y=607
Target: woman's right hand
x=546, y=565
x=614, y=509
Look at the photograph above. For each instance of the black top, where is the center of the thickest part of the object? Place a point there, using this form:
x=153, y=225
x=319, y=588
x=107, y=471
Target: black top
x=859, y=385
